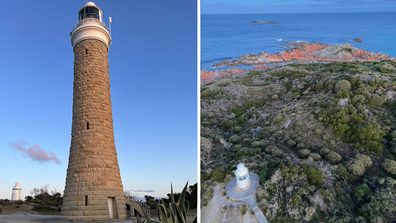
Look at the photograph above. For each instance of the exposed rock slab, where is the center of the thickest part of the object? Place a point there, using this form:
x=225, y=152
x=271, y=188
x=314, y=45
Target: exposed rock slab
x=306, y=52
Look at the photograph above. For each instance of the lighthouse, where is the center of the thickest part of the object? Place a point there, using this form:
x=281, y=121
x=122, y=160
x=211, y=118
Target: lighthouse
x=243, y=188
x=242, y=177
x=16, y=192
x=93, y=189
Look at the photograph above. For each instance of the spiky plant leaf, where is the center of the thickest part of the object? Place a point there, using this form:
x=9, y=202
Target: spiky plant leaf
x=182, y=197
x=172, y=197
x=163, y=216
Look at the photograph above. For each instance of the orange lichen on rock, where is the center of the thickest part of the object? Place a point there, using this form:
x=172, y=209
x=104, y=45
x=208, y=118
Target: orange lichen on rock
x=273, y=57
x=206, y=76
x=235, y=71
x=297, y=53
x=359, y=52
x=285, y=56
x=314, y=47
x=210, y=76
x=260, y=67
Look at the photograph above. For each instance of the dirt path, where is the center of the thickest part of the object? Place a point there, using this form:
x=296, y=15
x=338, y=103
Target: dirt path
x=26, y=217
x=221, y=209
x=21, y=217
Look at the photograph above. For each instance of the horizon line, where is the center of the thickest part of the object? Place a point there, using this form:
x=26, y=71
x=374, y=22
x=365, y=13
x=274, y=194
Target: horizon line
x=257, y=13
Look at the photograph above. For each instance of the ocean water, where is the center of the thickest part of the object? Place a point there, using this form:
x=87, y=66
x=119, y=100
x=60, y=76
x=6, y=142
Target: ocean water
x=230, y=36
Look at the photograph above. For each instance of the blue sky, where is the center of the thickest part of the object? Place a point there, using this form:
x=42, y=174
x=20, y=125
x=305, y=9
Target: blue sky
x=153, y=75
x=294, y=6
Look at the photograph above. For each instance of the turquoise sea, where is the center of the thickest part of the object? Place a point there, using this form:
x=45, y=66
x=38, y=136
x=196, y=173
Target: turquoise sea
x=232, y=35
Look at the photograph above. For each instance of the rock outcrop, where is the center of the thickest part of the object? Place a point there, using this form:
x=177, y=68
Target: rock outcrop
x=306, y=52
x=209, y=76
x=264, y=22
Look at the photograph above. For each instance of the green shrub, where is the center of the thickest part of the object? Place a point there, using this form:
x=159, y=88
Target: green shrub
x=315, y=156
x=264, y=175
x=246, y=140
x=218, y=174
x=300, y=145
x=342, y=172
x=243, y=209
x=237, y=128
x=277, y=152
x=377, y=100
x=43, y=208
x=228, y=124
x=342, y=85
x=389, y=166
x=277, y=119
x=303, y=153
x=235, y=139
x=362, y=193
x=246, y=152
x=275, y=97
x=356, y=167
x=285, y=109
x=257, y=144
x=358, y=99
x=382, y=206
x=240, y=110
x=274, y=150
x=314, y=176
x=366, y=160
x=324, y=150
x=333, y=157
x=291, y=143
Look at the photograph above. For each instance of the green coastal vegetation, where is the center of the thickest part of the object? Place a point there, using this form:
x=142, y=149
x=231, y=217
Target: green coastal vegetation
x=321, y=137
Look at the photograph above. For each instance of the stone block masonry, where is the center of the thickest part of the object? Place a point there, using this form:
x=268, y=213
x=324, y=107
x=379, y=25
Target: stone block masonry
x=93, y=175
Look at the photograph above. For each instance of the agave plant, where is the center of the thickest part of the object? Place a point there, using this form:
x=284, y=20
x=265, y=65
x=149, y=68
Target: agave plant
x=177, y=212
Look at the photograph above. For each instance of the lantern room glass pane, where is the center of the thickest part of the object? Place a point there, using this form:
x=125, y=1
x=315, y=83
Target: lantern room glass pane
x=88, y=12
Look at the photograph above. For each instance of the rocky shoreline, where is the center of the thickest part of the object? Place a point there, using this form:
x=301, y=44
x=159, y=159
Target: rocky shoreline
x=306, y=52
x=298, y=53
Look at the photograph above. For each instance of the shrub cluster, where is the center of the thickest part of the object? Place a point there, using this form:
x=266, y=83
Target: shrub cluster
x=324, y=150
x=333, y=157
x=218, y=174
x=234, y=139
x=274, y=150
x=389, y=166
x=303, y=153
x=314, y=175
x=342, y=85
x=359, y=165
x=315, y=156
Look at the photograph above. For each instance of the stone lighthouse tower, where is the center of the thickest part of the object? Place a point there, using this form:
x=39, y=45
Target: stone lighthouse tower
x=93, y=188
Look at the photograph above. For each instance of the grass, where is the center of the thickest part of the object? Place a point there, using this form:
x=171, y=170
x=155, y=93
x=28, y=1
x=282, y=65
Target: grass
x=13, y=207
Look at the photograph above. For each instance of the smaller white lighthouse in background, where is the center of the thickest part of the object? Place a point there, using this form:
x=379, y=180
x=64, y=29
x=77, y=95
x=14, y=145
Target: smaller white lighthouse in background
x=16, y=192
x=242, y=177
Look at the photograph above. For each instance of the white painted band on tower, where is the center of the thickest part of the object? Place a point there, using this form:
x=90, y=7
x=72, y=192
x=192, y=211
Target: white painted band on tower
x=242, y=177
x=16, y=192
x=90, y=26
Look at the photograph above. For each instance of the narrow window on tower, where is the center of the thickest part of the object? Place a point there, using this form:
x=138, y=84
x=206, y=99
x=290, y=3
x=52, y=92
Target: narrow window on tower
x=87, y=125
x=86, y=51
x=86, y=200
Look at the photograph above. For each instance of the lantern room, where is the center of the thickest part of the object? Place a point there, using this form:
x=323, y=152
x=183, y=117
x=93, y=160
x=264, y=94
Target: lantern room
x=90, y=10
x=242, y=177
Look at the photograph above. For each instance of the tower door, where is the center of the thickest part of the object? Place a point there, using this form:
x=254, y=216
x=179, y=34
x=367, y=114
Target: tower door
x=112, y=207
